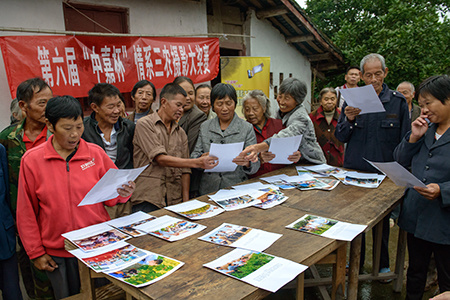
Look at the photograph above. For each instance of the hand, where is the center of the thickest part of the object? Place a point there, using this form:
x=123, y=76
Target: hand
x=418, y=128
x=242, y=161
x=250, y=153
x=351, y=112
x=266, y=156
x=207, y=162
x=45, y=263
x=431, y=192
x=295, y=157
x=126, y=189
x=442, y=296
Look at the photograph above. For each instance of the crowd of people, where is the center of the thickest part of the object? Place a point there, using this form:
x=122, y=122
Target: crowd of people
x=51, y=156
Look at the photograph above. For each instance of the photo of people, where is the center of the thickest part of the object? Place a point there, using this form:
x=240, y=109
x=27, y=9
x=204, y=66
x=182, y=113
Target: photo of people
x=194, y=213
x=100, y=240
x=361, y=181
x=129, y=229
x=235, y=202
x=147, y=271
x=270, y=198
x=175, y=230
x=226, y=235
x=114, y=259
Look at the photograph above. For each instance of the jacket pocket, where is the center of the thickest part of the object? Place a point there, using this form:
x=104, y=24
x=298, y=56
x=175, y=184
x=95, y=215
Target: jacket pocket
x=390, y=131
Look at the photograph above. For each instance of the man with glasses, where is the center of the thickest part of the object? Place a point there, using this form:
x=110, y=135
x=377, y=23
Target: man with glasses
x=374, y=136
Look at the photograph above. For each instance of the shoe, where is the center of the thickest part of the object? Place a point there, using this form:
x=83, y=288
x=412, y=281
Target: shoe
x=385, y=270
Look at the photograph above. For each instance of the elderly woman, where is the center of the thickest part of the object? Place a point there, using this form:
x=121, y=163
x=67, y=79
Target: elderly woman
x=325, y=119
x=192, y=117
x=226, y=128
x=425, y=213
x=203, y=100
x=295, y=118
x=256, y=109
x=143, y=94
x=54, y=178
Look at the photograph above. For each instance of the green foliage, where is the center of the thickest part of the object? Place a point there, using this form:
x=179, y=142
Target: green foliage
x=413, y=36
x=256, y=261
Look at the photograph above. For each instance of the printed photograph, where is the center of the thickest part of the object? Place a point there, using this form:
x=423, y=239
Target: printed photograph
x=207, y=209
x=147, y=270
x=175, y=229
x=271, y=196
x=245, y=265
x=361, y=181
x=227, y=234
x=236, y=201
x=314, y=224
x=100, y=240
x=129, y=229
x=114, y=259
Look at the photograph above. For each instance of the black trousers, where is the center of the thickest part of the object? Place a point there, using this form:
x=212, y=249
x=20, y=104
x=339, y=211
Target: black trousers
x=9, y=279
x=419, y=258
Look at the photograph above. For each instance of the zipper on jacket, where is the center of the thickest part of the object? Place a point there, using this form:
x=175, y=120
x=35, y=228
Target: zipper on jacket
x=67, y=166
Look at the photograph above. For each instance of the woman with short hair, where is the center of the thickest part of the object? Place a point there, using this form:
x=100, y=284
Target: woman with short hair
x=425, y=214
x=293, y=114
x=256, y=109
x=226, y=128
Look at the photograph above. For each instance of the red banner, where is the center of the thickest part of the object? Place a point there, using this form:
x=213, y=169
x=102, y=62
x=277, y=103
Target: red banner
x=72, y=65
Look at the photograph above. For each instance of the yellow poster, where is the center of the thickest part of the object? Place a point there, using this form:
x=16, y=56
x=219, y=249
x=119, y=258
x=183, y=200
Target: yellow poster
x=245, y=74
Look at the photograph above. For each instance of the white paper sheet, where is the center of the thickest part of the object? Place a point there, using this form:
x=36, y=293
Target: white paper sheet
x=327, y=227
x=94, y=237
x=170, y=229
x=225, y=153
x=364, y=98
x=241, y=237
x=106, y=188
x=271, y=273
x=127, y=223
x=195, y=210
x=398, y=174
x=283, y=147
x=120, y=256
x=236, y=199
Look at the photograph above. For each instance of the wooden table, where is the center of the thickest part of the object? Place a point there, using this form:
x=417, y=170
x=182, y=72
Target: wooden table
x=193, y=281
x=360, y=206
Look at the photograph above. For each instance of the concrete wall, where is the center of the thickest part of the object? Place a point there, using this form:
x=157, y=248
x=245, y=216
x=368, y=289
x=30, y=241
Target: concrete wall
x=156, y=17
x=284, y=58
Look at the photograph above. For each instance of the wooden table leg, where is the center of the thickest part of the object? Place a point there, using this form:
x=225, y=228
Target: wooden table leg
x=353, y=271
x=376, y=248
x=400, y=261
x=300, y=286
x=338, y=287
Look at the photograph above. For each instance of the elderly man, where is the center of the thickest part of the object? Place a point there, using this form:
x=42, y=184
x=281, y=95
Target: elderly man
x=352, y=77
x=374, y=136
x=407, y=89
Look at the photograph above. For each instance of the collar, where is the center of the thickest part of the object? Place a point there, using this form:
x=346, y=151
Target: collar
x=430, y=141
x=155, y=119
x=385, y=95
x=95, y=122
x=81, y=154
x=20, y=130
x=320, y=114
x=233, y=128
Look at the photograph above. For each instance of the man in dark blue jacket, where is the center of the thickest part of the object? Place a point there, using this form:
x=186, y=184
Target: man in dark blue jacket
x=374, y=136
x=9, y=272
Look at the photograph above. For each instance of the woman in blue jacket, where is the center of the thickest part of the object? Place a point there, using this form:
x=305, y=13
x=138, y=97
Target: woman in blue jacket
x=425, y=214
